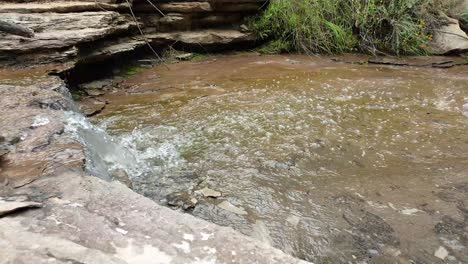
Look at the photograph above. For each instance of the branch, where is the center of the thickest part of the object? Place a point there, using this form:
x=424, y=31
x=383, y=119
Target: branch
x=16, y=29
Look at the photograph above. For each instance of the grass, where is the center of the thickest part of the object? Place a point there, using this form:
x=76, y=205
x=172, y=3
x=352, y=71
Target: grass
x=401, y=27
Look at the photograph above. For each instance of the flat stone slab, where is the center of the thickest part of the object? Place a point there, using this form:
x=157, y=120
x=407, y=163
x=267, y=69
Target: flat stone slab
x=95, y=221
x=202, y=37
x=54, y=30
x=59, y=7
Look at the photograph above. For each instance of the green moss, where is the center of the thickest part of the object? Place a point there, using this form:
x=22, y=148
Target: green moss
x=133, y=70
x=77, y=94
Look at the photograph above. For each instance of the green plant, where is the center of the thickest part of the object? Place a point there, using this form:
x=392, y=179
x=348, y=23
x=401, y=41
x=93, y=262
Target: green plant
x=326, y=26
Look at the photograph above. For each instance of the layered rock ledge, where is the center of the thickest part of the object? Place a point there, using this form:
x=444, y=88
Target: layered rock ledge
x=64, y=30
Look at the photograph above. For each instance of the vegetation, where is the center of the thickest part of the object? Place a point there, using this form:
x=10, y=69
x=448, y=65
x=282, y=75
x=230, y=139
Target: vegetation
x=401, y=27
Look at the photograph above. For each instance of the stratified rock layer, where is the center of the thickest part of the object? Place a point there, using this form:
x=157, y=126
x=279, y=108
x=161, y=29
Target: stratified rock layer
x=63, y=29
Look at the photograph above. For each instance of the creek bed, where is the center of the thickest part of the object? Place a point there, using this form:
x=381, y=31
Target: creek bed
x=328, y=161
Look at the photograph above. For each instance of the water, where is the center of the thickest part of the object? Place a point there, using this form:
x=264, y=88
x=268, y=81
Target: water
x=328, y=161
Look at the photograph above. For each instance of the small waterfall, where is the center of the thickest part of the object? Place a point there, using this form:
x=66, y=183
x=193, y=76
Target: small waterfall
x=142, y=153
x=104, y=153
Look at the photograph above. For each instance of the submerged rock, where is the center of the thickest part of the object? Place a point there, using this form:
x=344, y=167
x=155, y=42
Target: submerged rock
x=206, y=192
x=91, y=107
x=232, y=208
x=122, y=176
x=182, y=199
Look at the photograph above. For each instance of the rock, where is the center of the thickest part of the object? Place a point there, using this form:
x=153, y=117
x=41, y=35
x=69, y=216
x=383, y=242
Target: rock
x=95, y=221
x=56, y=31
x=184, y=56
x=96, y=85
x=7, y=207
x=94, y=92
x=91, y=106
x=232, y=208
x=60, y=7
x=243, y=28
x=206, y=192
x=409, y=211
x=3, y=152
x=182, y=199
x=465, y=109
x=122, y=176
x=105, y=49
x=450, y=39
x=209, y=37
x=441, y=253
x=176, y=7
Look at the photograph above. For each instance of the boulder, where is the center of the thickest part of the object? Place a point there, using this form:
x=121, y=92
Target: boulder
x=450, y=39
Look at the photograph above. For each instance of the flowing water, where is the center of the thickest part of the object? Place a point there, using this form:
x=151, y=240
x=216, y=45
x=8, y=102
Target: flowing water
x=328, y=161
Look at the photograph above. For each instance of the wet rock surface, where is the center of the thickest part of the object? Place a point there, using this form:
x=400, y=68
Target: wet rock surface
x=327, y=161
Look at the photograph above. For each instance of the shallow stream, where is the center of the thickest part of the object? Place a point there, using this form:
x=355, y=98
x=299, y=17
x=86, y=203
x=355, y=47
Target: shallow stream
x=331, y=162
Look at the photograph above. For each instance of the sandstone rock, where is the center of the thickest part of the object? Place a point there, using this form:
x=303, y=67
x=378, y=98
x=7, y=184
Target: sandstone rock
x=450, y=39
x=91, y=107
x=122, y=176
x=176, y=7
x=55, y=31
x=202, y=37
x=95, y=221
x=60, y=7
x=96, y=85
x=206, y=192
x=182, y=199
x=106, y=49
x=9, y=206
x=232, y=208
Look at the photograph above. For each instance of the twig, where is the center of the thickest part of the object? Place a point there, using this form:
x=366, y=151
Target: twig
x=155, y=7
x=143, y=34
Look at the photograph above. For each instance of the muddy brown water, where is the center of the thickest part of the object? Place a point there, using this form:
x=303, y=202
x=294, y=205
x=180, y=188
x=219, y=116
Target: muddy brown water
x=331, y=162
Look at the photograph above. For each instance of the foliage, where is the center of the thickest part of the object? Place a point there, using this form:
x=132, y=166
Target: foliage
x=337, y=26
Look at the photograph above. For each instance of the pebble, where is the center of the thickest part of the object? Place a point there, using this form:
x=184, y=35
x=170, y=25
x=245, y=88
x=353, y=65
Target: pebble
x=441, y=253
x=206, y=192
x=232, y=208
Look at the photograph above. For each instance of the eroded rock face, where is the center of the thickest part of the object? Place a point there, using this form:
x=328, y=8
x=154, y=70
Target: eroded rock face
x=64, y=30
